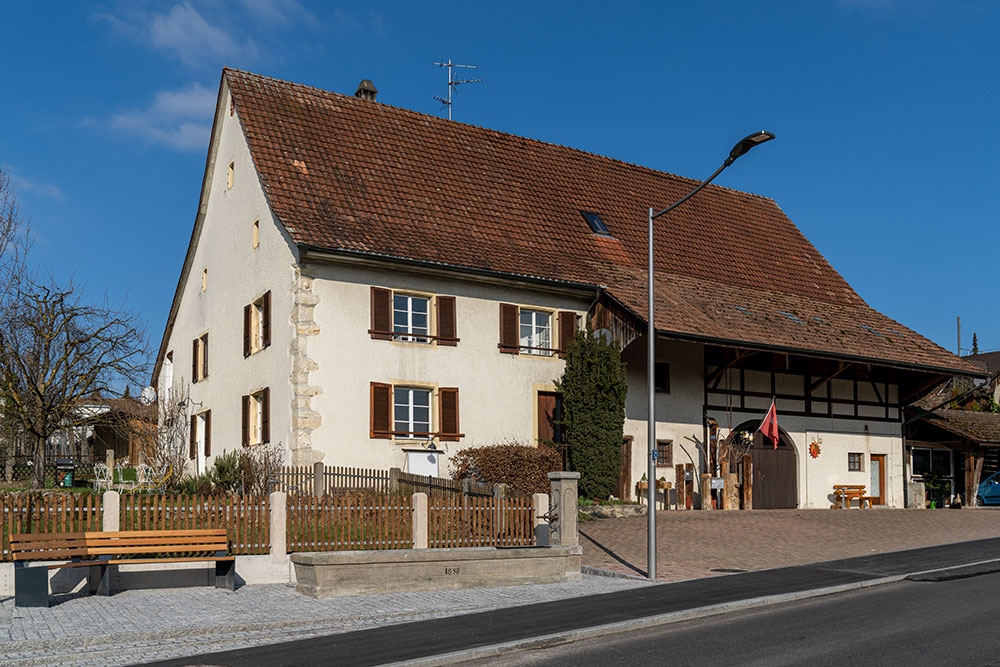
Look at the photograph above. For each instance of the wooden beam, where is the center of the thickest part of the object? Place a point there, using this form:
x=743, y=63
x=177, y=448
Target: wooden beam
x=822, y=381
x=715, y=376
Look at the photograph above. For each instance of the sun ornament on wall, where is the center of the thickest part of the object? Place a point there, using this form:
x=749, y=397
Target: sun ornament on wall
x=814, y=449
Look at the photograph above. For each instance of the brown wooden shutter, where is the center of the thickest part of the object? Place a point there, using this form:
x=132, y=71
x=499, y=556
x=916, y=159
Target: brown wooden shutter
x=208, y=433
x=448, y=404
x=567, y=329
x=247, y=327
x=246, y=421
x=266, y=316
x=447, y=330
x=381, y=313
x=509, y=339
x=204, y=356
x=194, y=360
x=265, y=415
x=193, y=449
x=381, y=410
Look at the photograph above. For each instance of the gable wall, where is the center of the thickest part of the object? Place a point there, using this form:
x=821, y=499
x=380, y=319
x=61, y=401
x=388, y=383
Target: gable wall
x=237, y=275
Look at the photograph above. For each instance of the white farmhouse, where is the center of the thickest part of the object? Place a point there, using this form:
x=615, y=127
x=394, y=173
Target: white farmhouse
x=370, y=286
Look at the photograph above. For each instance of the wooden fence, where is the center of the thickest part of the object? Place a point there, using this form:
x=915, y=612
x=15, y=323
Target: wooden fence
x=437, y=486
x=343, y=522
x=300, y=480
x=50, y=513
x=246, y=519
x=467, y=521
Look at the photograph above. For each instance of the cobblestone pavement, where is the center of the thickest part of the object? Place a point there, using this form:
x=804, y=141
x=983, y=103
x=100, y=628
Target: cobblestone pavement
x=700, y=544
x=145, y=625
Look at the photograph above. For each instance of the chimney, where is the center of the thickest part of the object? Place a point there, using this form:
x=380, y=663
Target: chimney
x=366, y=90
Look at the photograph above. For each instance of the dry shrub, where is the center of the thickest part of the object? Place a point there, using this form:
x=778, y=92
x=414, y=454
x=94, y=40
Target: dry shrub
x=523, y=467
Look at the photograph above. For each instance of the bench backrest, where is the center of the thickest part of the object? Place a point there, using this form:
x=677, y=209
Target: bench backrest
x=40, y=546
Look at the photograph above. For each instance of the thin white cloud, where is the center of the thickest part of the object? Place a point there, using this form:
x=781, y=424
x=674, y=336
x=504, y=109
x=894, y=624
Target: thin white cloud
x=26, y=185
x=178, y=119
x=279, y=12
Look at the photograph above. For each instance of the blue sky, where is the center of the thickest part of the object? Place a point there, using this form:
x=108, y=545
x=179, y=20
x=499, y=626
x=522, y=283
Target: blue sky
x=886, y=113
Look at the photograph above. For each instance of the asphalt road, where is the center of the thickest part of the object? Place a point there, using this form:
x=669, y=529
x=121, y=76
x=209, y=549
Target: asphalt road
x=908, y=623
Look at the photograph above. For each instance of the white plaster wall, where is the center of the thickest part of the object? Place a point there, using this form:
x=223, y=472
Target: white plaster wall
x=678, y=413
x=237, y=275
x=497, y=392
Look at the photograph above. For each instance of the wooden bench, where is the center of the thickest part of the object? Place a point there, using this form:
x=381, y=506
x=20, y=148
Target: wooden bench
x=98, y=550
x=845, y=493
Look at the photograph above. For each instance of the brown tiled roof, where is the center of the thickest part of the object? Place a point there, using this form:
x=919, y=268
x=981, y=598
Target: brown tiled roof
x=982, y=427
x=988, y=361
x=351, y=175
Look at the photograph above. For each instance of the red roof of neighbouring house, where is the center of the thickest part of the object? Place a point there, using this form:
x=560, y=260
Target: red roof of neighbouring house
x=350, y=175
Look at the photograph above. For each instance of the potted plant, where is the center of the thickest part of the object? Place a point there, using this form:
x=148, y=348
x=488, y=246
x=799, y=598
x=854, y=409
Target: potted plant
x=938, y=489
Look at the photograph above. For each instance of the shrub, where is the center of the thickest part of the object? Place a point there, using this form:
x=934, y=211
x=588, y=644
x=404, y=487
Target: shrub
x=593, y=387
x=200, y=485
x=225, y=473
x=257, y=464
x=523, y=467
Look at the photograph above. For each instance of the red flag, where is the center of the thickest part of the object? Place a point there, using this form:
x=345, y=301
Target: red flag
x=769, y=427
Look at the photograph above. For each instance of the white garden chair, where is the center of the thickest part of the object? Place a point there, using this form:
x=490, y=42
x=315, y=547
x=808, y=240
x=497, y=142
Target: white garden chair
x=102, y=478
x=143, y=476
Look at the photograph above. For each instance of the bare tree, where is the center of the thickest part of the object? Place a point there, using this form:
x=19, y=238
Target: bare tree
x=172, y=433
x=56, y=350
x=14, y=239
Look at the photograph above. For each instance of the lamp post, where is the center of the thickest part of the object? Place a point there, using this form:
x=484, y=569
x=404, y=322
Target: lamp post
x=744, y=145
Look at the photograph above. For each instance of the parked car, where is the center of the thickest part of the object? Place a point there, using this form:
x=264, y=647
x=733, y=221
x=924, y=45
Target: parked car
x=988, y=492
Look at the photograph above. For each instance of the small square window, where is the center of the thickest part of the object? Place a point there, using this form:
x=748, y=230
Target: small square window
x=662, y=379
x=231, y=176
x=664, y=453
x=855, y=462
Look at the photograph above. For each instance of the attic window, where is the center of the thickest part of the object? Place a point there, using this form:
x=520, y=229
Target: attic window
x=819, y=319
x=793, y=318
x=896, y=333
x=231, y=176
x=742, y=310
x=869, y=329
x=596, y=224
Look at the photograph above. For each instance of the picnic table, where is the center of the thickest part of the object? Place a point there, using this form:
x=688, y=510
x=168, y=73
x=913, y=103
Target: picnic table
x=845, y=493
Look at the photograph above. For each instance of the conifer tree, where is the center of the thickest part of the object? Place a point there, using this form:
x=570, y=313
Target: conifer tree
x=593, y=389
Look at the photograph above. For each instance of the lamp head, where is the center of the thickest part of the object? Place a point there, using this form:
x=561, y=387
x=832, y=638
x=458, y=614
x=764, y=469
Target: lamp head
x=748, y=142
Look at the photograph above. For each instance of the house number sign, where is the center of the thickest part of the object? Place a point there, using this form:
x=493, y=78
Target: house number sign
x=449, y=571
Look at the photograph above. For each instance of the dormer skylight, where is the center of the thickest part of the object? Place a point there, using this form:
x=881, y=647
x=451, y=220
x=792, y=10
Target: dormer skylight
x=742, y=310
x=596, y=224
x=868, y=328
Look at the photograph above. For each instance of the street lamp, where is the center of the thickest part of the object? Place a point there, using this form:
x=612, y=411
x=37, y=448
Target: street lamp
x=743, y=146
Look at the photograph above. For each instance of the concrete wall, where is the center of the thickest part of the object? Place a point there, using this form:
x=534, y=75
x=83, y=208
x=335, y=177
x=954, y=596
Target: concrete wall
x=497, y=392
x=238, y=274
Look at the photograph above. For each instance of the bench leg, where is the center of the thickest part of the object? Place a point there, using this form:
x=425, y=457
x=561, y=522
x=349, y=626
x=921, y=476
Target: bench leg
x=99, y=580
x=225, y=574
x=31, y=586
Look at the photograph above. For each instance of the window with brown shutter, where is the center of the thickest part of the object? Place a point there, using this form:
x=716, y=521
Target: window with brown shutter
x=193, y=450
x=208, y=433
x=247, y=314
x=246, y=421
x=447, y=330
x=381, y=328
x=204, y=355
x=381, y=407
x=266, y=319
x=567, y=329
x=509, y=340
x=265, y=414
x=448, y=404
x=195, y=366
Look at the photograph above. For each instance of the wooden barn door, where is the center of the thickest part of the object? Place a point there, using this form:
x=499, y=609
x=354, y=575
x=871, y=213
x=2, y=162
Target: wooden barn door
x=774, y=475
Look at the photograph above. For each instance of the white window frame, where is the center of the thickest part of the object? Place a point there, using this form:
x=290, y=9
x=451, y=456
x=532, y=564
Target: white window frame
x=539, y=336
x=408, y=333
x=408, y=425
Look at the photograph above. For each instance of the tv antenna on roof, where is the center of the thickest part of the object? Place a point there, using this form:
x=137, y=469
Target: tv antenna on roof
x=452, y=82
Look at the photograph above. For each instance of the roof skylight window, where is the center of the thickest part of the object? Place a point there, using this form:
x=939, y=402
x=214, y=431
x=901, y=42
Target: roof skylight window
x=596, y=224
x=793, y=318
x=868, y=328
x=819, y=319
x=893, y=331
x=742, y=310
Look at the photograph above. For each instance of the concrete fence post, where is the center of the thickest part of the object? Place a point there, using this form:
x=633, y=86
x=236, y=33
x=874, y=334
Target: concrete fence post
x=562, y=528
x=319, y=481
x=112, y=512
x=540, y=522
x=394, y=480
x=278, y=508
x=419, y=520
